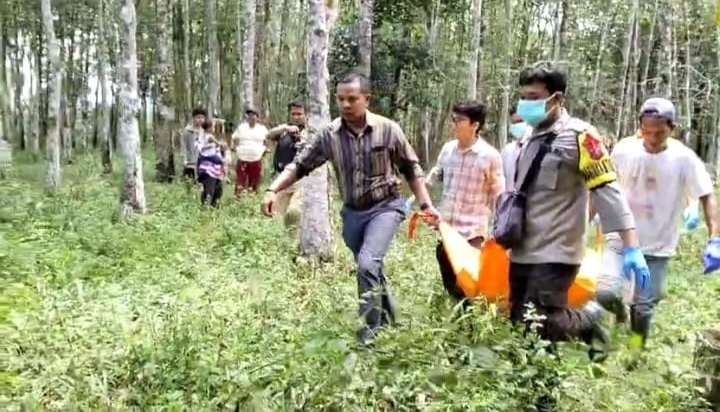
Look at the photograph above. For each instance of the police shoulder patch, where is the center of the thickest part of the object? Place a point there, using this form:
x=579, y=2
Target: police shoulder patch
x=593, y=144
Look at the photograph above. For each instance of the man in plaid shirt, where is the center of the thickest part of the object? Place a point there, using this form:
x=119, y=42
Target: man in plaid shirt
x=471, y=172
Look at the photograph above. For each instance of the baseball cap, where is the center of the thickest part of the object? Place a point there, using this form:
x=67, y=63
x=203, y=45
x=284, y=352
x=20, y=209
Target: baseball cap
x=659, y=108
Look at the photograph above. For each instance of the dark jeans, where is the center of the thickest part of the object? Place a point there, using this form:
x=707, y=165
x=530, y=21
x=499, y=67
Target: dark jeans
x=446, y=271
x=212, y=190
x=546, y=286
x=368, y=234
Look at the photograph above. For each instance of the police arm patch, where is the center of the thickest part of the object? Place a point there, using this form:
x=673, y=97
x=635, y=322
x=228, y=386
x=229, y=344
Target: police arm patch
x=594, y=161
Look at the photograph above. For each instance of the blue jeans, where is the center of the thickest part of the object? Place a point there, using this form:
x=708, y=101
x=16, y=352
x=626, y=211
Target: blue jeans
x=368, y=234
x=610, y=286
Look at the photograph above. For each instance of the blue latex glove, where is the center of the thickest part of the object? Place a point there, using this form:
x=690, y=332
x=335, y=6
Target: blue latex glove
x=634, y=261
x=691, y=217
x=711, y=255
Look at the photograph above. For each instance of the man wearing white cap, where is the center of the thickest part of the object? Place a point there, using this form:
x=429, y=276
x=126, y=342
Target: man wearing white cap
x=658, y=175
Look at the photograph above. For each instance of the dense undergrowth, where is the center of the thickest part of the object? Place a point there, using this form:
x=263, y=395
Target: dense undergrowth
x=185, y=309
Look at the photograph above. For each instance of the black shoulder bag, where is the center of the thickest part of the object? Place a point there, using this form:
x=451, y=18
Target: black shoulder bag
x=510, y=213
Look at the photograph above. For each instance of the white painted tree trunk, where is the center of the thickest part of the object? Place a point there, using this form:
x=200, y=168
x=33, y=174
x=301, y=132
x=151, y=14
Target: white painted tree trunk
x=316, y=237
x=53, y=172
x=132, y=192
x=248, y=63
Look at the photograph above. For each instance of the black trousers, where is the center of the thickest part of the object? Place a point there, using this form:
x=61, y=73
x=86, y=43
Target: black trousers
x=212, y=190
x=546, y=286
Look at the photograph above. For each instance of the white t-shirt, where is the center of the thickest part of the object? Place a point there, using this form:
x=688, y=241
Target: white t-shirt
x=249, y=142
x=657, y=186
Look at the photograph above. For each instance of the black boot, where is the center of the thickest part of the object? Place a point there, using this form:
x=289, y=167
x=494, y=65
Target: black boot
x=593, y=334
x=640, y=326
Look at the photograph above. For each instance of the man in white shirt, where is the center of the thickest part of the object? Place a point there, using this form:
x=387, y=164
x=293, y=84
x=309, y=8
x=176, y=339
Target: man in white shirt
x=658, y=175
x=249, y=146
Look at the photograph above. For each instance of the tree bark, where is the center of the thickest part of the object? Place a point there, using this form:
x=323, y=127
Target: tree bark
x=55, y=80
x=164, y=154
x=248, y=54
x=364, y=37
x=317, y=238
x=132, y=193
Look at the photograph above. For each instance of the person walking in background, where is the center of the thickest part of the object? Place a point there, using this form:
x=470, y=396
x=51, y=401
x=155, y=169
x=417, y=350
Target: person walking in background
x=249, y=145
x=211, y=166
x=290, y=138
x=188, y=148
x=471, y=172
x=366, y=150
x=659, y=176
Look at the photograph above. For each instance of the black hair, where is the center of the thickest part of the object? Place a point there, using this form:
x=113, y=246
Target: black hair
x=199, y=111
x=297, y=104
x=553, y=79
x=357, y=78
x=207, y=125
x=513, y=110
x=473, y=110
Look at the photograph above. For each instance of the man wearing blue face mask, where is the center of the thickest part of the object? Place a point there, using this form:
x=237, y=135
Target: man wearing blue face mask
x=517, y=130
x=560, y=163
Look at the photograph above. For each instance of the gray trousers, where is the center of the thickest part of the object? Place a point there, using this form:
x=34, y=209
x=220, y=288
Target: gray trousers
x=610, y=286
x=368, y=234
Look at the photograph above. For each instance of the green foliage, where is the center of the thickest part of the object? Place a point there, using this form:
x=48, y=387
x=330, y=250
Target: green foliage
x=189, y=309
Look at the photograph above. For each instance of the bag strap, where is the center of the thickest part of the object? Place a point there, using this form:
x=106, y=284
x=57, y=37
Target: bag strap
x=535, y=165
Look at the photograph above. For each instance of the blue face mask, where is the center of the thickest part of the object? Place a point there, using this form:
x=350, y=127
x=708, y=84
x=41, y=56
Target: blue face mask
x=518, y=129
x=532, y=111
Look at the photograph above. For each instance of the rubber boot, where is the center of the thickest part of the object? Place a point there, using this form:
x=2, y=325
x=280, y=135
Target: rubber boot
x=640, y=326
x=593, y=334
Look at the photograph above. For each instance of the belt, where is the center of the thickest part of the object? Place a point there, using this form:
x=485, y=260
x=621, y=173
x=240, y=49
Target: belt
x=362, y=207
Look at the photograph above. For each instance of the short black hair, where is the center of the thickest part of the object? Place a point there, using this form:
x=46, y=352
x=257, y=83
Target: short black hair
x=207, y=124
x=473, y=110
x=199, y=111
x=297, y=104
x=513, y=109
x=554, y=80
x=362, y=80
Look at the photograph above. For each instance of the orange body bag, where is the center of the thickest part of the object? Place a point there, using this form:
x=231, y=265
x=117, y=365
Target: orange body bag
x=486, y=272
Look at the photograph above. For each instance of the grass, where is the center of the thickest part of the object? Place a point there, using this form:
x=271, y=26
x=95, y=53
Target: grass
x=184, y=309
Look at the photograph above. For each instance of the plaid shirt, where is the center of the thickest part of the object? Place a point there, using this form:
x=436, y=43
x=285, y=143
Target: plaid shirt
x=472, y=180
x=364, y=164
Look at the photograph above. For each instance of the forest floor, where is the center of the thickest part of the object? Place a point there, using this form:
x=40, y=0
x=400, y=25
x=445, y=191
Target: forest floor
x=190, y=309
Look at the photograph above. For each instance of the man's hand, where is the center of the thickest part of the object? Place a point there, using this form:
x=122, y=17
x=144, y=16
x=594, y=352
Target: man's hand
x=634, y=261
x=711, y=255
x=691, y=216
x=292, y=129
x=431, y=216
x=268, y=204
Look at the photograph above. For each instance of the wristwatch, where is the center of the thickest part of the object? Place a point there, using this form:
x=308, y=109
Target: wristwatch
x=424, y=206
